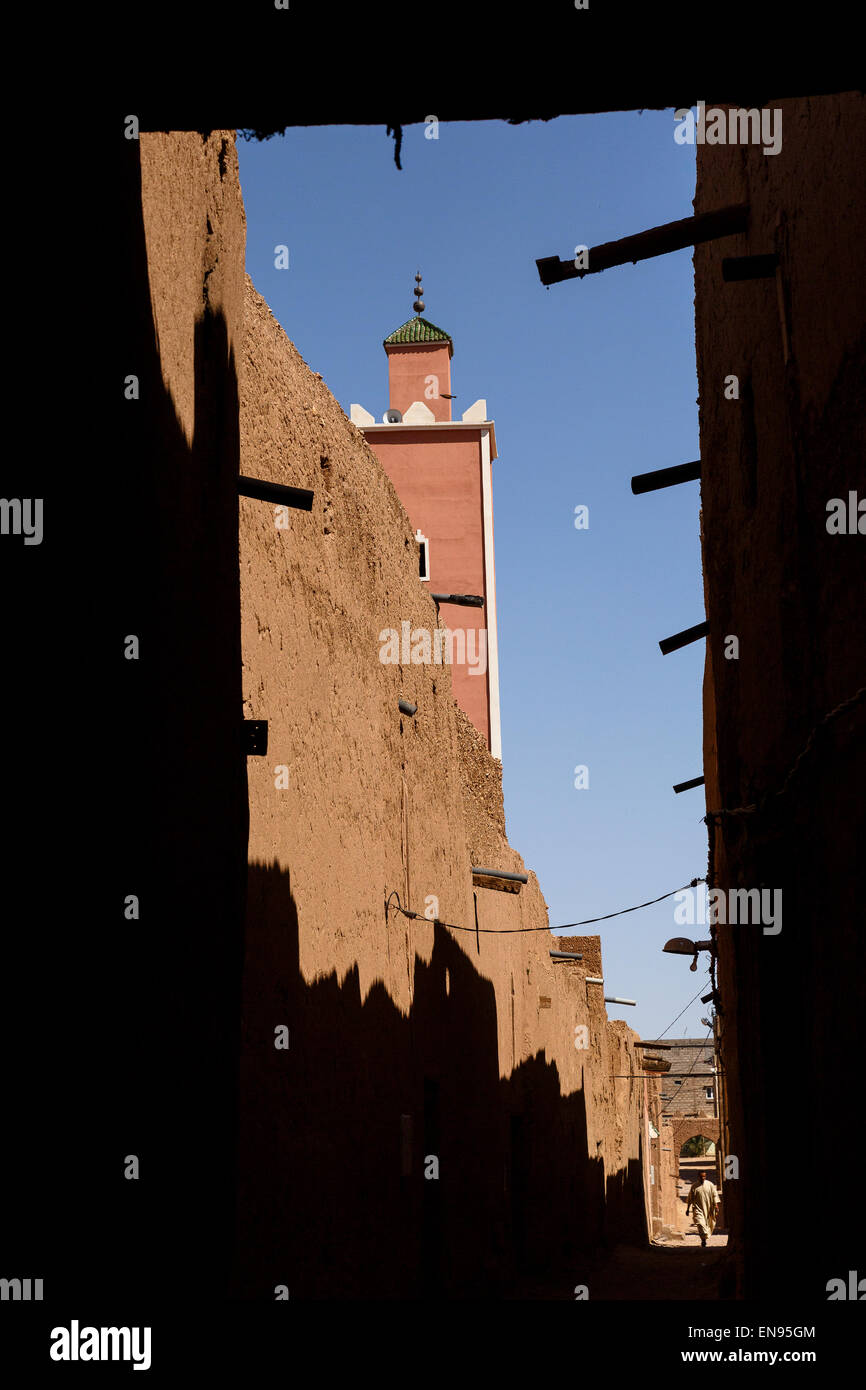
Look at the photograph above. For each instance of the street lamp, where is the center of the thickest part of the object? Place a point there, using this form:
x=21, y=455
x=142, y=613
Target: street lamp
x=684, y=946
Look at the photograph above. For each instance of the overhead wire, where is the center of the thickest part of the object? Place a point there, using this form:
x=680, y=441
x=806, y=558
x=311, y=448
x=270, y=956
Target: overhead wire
x=504, y=931
x=511, y=931
x=697, y=1052
x=659, y=1037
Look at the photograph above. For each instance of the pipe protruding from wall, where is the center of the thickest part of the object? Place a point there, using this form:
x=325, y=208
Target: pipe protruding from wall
x=464, y=600
x=666, y=477
x=687, y=786
x=656, y=241
x=682, y=639
x=263, y=491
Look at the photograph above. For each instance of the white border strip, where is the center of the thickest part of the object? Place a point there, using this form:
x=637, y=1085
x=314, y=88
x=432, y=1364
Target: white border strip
x=490, y=594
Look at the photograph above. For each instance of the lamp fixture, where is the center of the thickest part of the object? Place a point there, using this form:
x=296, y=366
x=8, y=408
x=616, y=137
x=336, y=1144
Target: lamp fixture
x=684, y=946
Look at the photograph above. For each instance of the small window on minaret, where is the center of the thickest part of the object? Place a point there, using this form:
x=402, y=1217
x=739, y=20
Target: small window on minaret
x=423, y=555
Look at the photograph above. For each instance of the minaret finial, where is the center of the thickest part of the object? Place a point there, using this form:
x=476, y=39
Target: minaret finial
x=418, y=306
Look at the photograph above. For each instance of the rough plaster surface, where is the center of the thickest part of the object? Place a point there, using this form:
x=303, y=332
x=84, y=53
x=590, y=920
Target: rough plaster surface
x=395, y=1017
x=179, y=995
x=794, y=595
x=195, y=229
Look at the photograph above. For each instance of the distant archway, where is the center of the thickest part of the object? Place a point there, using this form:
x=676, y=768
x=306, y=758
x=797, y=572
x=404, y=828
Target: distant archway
x=698, y=1146
x=695, y=1127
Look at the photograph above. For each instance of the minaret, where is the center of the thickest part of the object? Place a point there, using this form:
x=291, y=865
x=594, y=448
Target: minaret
x=441, y=469
x=419, y=363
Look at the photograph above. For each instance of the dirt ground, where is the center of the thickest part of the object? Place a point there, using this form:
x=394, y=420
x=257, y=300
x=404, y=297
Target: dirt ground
x=678, y=1270
x=668, y=1269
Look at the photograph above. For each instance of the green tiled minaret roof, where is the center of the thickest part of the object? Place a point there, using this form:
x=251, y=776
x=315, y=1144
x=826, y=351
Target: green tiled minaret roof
x=418, y=330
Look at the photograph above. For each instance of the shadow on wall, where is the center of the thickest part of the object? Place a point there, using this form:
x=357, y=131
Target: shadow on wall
x=336, y=1133
x=161, y=1040
x=151, y=1057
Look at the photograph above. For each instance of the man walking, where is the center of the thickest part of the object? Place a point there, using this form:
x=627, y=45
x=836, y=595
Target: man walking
x=704, y=1202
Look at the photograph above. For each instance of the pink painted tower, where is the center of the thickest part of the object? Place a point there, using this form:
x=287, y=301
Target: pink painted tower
x=441, y=469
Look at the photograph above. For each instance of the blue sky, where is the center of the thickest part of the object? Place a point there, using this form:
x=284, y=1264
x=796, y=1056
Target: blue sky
x=588, y=383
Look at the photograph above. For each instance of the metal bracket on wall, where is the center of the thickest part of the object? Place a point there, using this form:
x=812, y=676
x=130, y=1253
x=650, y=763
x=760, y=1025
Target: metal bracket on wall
x=749, y=267
x=255, y=737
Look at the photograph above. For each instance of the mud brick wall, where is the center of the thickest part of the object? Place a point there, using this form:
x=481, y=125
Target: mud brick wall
x=794, y=595
x=412, y=1047
x=406, y=1039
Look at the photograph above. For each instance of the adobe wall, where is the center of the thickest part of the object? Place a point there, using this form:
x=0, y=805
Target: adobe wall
x=672, y=1210
x=406, y=1039
x=666, y=1208
x=180, y=787
x=794, y=595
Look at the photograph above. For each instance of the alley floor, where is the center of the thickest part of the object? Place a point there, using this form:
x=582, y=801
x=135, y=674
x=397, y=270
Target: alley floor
x=678, y=1270
x=673, y=1267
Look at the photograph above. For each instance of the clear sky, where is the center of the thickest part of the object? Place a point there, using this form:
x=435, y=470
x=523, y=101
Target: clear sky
x=588, y=382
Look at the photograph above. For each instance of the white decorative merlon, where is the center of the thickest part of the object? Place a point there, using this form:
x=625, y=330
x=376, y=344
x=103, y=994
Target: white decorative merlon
x=418, y=414
x=359, y=416
x=476, y=414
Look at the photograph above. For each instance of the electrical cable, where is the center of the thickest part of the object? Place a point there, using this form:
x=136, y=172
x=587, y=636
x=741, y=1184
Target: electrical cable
x=511, y=931
x=697, y=1053
x=680, y=1014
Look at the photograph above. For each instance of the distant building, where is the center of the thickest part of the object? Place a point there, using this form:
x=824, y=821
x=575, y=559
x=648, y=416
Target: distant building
x=690, y=1088
x=682, y=1105
x=441, y=469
